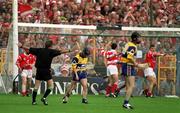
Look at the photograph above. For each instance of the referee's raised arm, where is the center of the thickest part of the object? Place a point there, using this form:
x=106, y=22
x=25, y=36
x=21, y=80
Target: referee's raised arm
x=20, y=45
x=66, y=51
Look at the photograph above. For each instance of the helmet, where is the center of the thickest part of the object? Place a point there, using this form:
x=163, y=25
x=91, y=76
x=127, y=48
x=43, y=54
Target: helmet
x=86, y=51
x=135, y=37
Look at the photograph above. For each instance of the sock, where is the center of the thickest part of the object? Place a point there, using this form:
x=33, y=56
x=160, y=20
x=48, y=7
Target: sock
x=23, y=89
x=149, y=94
x=34, y=94
x=84, y=98
x=113, y=88
x=108, y=90
x=48, y=91
x=68, y=95
x=118, y=89
x=146, y=91
x=23, y=93
x=126, y=101
x=28, y=90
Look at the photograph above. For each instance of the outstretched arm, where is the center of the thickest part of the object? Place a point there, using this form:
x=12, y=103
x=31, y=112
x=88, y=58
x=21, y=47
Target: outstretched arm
x=23, y=47
x=66, y=51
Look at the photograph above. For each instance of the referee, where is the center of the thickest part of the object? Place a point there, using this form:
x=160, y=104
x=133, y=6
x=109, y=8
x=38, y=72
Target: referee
x=44, y=57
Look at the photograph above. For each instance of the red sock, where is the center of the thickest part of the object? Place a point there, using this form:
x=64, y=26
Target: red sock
x=113, y=88
x=149, y=94
x=146, y=91
x=23, y=93
x=108, y=90
x=27, y=91
x=118, y=89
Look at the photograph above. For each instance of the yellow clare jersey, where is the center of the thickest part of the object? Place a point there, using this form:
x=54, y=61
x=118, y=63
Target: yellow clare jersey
x=79, y=63
x=129, y=53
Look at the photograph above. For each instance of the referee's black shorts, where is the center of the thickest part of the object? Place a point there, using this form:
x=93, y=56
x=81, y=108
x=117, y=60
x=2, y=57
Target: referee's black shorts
x=43, y=74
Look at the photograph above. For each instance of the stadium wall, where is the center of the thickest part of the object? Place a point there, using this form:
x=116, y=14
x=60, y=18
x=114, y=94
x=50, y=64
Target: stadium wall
x=96, y=86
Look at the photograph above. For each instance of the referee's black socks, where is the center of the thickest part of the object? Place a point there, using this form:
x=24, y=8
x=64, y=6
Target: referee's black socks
x=34, y=94
x=48, y=91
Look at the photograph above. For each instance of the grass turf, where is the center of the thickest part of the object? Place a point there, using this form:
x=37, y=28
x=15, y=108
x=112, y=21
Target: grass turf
x=97, y=104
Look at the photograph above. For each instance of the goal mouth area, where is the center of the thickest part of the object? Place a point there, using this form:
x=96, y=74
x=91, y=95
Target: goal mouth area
x=91, y=30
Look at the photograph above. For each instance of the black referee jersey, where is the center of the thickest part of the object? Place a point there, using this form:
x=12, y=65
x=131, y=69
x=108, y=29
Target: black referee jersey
x=44, y=57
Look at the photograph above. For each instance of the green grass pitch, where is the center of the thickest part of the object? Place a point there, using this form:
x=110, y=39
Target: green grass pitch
x=97, y=104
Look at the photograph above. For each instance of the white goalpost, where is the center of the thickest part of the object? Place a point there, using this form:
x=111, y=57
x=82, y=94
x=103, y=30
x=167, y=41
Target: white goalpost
x=15, y=37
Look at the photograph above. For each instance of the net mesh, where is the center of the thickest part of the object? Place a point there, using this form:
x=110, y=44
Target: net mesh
x=67, y=38
x=7, y=67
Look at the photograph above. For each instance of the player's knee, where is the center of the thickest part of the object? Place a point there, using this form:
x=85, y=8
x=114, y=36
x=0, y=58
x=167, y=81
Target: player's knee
x=35, y=89
x=154, y=82
x=115, y=77
x=116, y=82
x=24, y=82
x=51, y=87
x=132, y=86
x=84, y=87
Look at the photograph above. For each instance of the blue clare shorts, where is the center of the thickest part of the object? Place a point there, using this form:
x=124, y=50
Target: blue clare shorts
x=81, y=75
x=128, y=70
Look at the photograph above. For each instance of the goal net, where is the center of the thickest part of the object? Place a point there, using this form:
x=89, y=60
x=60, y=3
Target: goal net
x=6, y=57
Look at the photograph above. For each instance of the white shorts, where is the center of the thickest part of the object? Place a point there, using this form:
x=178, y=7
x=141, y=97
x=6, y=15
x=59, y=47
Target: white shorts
x=27, y=73
x=111, y=70
x=149, y=72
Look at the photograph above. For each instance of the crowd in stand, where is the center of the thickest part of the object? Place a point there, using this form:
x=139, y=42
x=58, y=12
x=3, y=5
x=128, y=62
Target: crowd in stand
x=91, y=12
